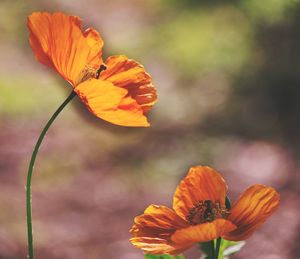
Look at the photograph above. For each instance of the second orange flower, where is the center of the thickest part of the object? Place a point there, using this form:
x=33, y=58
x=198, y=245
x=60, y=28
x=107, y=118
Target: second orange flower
x=200, y=214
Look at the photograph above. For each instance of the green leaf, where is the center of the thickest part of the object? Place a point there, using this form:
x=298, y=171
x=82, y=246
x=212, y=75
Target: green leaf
x=148, y=256
x=227, y=248
x=230, y=247
x=206, y=249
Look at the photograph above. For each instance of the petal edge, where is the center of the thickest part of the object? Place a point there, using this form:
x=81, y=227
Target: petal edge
x=251, y=210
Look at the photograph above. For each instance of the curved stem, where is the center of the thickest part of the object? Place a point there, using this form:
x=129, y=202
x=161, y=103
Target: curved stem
x=30, y=171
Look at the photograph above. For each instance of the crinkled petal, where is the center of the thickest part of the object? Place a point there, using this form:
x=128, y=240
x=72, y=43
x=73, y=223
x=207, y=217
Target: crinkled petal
x=251, y=210
x=201, y=183
x=59, y=42
x=157, y=221
x=203, y=232
x=153, y=229
x=111, y=103
x=129, y=74
x=158, y=246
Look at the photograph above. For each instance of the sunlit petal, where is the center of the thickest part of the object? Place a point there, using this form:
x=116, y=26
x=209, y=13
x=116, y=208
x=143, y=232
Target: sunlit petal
x=201, y=183
x=111, y=103
x=59, y=42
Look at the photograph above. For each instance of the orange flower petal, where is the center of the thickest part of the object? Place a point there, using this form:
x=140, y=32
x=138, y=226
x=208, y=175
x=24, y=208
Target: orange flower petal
x=202, y=232
x=131, y=75
x=153, y=229
x=201, y=183
x=254, y=206
x=158, y=246
x=59, y=42
x=157, y=221
x=111, y=103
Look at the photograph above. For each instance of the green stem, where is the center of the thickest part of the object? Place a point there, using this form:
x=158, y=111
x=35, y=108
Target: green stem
x=30, y=171
x=212, y=245
x=219, y=240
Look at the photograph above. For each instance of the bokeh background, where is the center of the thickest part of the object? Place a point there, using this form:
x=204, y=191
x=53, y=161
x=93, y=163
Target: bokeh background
x=227, y=74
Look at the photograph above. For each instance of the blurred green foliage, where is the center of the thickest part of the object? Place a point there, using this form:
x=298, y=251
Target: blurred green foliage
x=22, y=97
x=203, y=41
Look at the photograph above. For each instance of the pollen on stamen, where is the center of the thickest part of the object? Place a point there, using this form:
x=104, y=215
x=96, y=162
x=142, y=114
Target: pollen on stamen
x=87, y=73
x=206, y=211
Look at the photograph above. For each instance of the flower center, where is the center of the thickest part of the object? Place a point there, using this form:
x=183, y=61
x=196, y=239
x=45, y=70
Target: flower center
x=89, y=72
x=206, y=211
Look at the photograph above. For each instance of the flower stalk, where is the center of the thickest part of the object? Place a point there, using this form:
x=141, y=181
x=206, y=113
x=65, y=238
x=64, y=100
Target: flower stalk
x=218, y=244
x=30, y=171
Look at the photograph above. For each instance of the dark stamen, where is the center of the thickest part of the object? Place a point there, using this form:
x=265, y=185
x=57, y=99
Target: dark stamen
x=206, y=211
x=101, y=68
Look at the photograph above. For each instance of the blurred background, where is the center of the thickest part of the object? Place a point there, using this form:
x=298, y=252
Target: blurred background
x=227, y=75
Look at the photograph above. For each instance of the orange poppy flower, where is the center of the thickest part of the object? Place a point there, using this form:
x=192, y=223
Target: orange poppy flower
x=118, y=90
x=200, y=214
